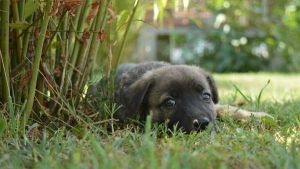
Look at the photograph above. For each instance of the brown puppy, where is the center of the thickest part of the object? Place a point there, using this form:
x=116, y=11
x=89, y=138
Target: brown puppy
x=180, y=95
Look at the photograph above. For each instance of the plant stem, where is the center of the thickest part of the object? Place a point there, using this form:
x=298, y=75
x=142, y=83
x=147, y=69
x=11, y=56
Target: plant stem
x=99, y=24
x=36, y=63
x=98, y=27
x=21, y=10
x=15, y=13
x=84, y=13
x=26, y=38
x=66, y=45
x=18, y=42
x=126, y=33
x=93, y=48
x=64, y=40
x=4, y=48
x=72, y=28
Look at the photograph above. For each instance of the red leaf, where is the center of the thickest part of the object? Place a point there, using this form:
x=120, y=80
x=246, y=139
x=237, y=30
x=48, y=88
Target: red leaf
x=93, y=12
x=85, y=35
x=72, y=5
x=55, y=7
x=25, y=79
x=101, y=35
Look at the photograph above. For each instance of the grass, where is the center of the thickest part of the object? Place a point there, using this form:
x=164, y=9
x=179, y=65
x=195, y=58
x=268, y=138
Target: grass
x=251, y=144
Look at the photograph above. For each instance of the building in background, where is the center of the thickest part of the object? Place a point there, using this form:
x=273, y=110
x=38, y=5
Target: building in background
x=172, y=42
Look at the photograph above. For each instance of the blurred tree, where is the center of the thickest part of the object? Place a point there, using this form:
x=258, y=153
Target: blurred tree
x=249, y=35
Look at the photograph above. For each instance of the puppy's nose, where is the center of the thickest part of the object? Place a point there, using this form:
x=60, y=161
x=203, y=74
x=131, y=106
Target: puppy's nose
x=201, y=123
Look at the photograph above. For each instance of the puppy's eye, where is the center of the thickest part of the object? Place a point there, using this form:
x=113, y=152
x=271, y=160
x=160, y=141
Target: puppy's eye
x=169, y=103
x=206, y=96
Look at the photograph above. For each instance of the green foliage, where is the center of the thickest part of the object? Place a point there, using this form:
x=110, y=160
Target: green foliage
x=240, y=36
x=30, y=8
x=49, y=50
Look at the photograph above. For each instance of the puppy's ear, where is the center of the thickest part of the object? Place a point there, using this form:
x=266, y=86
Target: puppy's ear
x=213, y=88
x=135, y=96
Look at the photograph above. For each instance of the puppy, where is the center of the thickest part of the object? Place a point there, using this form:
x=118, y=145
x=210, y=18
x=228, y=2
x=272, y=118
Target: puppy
x=181, y=95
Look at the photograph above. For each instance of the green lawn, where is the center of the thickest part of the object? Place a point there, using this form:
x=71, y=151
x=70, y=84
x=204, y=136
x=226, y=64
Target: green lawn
x=252, y=144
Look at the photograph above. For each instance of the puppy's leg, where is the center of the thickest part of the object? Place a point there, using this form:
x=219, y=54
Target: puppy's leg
x=238, y=113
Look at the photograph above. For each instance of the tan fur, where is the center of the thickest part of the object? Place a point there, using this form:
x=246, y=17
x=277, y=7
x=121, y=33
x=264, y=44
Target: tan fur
x=238, y=113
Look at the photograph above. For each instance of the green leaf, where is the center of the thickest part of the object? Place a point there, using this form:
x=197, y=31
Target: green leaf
x=2, y=126
x=269, y=121
x=123, y=19
x=30, y=7
x=19, y=25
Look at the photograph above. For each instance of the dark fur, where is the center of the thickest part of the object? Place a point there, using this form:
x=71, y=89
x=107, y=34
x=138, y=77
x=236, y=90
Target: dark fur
x=144, y=89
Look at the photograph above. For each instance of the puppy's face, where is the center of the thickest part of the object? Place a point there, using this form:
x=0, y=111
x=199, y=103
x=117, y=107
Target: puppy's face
x=176, y=95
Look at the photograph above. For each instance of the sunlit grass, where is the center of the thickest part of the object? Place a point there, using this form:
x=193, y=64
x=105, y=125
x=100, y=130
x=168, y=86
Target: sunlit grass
x=282, y=87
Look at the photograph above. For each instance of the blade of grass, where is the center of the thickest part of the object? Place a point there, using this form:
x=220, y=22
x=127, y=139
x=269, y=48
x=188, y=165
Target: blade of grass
x=260, y=93
x=248, y=99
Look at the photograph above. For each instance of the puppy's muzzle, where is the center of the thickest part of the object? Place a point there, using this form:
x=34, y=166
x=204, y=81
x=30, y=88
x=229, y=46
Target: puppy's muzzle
x=201, y=123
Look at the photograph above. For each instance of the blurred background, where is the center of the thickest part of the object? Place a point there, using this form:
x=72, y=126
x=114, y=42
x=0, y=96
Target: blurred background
x=219, y=35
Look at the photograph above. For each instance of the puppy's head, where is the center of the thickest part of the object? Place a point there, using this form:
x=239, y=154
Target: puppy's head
x=177, y=95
